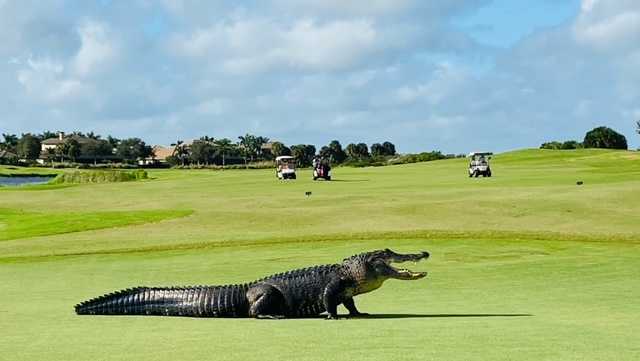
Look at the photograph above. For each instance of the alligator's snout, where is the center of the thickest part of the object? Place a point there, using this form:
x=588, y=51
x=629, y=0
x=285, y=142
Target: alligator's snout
x=403, y=273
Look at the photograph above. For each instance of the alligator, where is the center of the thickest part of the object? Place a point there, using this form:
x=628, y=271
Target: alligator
x=306, y=292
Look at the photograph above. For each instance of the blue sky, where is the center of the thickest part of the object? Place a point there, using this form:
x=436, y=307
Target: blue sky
x=456, y=76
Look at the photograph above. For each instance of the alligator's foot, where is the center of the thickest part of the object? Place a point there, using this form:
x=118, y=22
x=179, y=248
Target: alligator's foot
x=269, y=317
x=335, y=317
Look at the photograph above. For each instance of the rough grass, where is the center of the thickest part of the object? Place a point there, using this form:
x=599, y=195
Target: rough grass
x=99, y=176
x=525, y=266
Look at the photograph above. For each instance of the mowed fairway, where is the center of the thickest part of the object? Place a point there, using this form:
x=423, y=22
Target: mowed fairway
x=526, y=265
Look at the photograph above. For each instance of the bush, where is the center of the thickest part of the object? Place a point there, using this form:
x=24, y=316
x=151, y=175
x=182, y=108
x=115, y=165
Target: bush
x=604, y=137
x=569, y=144
x=110, y=176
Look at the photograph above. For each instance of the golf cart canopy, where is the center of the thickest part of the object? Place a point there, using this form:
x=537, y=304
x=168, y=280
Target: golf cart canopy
x=284, y=158
x=474, y=154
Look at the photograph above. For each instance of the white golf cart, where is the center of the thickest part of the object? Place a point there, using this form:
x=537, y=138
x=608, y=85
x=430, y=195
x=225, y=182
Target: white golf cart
x=286, y=167
x=479, y=164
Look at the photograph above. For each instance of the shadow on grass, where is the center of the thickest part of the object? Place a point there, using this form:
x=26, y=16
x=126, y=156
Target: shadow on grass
x=443, y=315
x=349, y=180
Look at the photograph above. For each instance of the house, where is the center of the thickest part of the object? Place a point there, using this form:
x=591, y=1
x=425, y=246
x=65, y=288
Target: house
x=48, y=146
x=7, y=157
x=52, y=143
x=159, y=156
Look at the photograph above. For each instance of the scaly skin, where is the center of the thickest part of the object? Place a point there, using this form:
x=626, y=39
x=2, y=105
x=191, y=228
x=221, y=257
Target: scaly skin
x=304, y=292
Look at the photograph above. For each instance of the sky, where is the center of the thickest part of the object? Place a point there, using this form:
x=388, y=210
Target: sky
x=455, y=76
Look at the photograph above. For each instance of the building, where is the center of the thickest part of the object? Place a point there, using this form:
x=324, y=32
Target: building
x=52, y=143
x=159, y=156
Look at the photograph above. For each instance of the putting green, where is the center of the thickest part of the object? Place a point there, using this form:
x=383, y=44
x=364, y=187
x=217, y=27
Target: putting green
x=526, y=265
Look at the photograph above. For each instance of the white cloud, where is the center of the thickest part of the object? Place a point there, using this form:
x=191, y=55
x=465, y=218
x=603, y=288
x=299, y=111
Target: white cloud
x=247, y=46
x=97, y=48
x=608, y=25
x=45, y=79
x=348, y=70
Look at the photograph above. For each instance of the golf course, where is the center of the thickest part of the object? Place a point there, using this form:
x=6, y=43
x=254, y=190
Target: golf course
x=525, y=265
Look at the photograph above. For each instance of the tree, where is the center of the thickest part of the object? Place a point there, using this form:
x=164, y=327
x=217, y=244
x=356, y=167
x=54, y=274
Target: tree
x=180, y=151
x=604, y=137
x=390, y=148
x=202, y=151
x=304, y=154
x=223, y=146
x=28, y=147
x=47, y=135
x=96, y=148
x=638, y=127
x=251, y=146
x=377, y=150
x=70, y=148
x=352, y=151
x=362, y=150
x=325, y=152
x=92, y=135
x=571, y=144
x=133, y=149
x=333, y=152
x=278, y=149
x=551, y=145
x=113, y=141
x=10, y=142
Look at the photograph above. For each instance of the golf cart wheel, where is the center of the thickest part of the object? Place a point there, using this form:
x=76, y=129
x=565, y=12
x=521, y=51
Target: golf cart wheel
x=489, y=174
x=293, y=176
x=315, y=178
x=476, y=174
x=329, y=178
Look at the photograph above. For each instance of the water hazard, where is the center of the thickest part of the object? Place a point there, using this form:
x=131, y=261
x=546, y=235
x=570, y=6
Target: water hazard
x=19, y=180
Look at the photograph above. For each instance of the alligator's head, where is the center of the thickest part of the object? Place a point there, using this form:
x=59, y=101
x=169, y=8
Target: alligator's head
x=371, y=269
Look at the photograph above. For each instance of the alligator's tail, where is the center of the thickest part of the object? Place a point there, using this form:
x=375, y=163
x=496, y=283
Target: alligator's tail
x=197, y=301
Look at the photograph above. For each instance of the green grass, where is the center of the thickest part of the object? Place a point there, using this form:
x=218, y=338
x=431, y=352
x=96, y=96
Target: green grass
x=525, y=265
x=19, y=224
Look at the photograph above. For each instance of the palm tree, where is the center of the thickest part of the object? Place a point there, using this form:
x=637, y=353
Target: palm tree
x=180, y=150
x=223, y=146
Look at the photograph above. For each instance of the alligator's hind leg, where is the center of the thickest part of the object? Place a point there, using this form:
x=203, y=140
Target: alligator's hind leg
x=266, y=301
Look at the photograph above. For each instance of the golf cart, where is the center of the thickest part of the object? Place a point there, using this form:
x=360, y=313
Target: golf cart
x=479, y=164
x=321, y=169
x=286, y=167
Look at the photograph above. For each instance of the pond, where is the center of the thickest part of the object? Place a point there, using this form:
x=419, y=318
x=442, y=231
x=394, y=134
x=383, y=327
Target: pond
x=23, y=180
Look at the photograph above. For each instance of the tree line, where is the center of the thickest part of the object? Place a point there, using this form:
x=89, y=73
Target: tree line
x=251, y=148
x=78, y=147
x=600, y=137
x=89, y=147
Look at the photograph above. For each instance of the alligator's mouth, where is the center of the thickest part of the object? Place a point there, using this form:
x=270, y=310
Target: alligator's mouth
x=403, y=273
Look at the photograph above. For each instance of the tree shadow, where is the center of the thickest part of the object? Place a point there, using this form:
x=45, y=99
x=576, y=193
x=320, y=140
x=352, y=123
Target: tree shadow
x=443, y=315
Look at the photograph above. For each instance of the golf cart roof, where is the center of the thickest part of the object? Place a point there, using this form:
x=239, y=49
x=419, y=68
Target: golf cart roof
x=284, y=157
x=479, y=153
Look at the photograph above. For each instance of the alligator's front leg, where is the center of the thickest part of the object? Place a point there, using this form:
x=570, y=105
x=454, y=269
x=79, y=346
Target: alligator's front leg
x=351, y=306
x=334, y=294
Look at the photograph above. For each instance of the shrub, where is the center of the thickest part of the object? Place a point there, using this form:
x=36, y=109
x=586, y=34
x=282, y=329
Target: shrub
x=109, y=176
x=604, y=137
